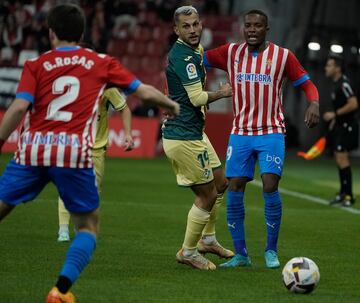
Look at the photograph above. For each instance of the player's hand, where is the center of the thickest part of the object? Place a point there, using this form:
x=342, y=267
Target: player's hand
x=128, y=143
x=173, y=112
x=225, y=90
x=312, y=115
x=328, y=116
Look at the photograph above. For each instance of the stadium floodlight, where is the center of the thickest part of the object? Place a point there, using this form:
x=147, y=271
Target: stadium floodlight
x=354, y=50
x=336, y=48
x=314, y=46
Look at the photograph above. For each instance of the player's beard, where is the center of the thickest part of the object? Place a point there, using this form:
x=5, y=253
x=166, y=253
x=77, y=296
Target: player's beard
x=196, y=44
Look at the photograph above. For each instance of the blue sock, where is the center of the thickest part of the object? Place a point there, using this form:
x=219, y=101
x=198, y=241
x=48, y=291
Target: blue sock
x=235, y=220
x=273, y=209
x=78, y=255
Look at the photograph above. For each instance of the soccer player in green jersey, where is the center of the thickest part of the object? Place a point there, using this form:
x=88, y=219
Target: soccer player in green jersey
x=111, y=97
x=193, y=158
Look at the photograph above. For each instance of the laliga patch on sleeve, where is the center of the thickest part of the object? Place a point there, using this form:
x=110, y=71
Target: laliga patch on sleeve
x=191, y=71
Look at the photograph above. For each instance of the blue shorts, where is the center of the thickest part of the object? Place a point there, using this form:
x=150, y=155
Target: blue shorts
x=76, y=187
x=243, y=151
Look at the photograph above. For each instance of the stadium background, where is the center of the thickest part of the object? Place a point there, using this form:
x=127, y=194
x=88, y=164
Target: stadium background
x=139, y=33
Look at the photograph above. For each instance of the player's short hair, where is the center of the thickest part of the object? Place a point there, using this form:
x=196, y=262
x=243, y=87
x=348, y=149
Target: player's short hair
x=257, y=12
x=186, y=10
x=67, y=21
x=338, y=59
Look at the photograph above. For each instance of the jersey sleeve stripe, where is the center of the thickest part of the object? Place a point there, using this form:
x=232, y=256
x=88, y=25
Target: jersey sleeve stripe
x=132, y=87
x=26, y=96
x=191, y=83
x=348, y=92
x=301, y=80
x=229, y=63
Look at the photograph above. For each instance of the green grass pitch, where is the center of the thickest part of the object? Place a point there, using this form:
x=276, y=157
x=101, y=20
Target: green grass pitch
x=143, y=215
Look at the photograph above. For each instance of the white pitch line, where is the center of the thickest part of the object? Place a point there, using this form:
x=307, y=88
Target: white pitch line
x=308, y=198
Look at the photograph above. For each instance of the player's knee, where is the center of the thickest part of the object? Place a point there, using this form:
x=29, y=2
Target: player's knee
x=270, y=186
x=222, y=186
x=270, y=182
x=212, y=195
x=269, y=189
x=237, y=184
x=207, y=199
x=221, y=182
x=87, y=222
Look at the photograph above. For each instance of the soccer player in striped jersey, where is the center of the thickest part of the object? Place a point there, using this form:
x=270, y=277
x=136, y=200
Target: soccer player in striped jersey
x=111, y=97
x=257, y=70
x=58, y=96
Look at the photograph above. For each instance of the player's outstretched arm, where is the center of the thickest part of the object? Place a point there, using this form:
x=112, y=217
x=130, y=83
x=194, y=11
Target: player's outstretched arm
x=12, y=118
x=126, y=118
x=199, y=97
x=150, y=94
x=224, y=91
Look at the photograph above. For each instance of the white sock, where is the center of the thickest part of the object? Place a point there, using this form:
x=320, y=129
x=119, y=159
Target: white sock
x=189, y=252
x=209, y=239
x=63, y=228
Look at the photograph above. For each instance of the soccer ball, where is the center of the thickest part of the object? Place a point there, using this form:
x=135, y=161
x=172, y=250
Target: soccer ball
x=301, y=275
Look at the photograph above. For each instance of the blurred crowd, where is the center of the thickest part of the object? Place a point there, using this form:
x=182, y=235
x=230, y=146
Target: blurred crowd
x=23, y=23
x=138, y=32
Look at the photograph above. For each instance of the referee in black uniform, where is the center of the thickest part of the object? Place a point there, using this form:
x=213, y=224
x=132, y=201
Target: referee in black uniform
x=343, y=125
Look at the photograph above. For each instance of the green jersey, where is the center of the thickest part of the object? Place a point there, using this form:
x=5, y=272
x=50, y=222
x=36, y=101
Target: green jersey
x=185, y=68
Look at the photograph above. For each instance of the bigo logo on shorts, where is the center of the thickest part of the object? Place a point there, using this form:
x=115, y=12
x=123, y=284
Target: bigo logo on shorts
x=273, y=158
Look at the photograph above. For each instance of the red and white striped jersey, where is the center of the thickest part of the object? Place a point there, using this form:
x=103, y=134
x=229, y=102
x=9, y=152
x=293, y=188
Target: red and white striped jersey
x=64, y=86
x=257, y=81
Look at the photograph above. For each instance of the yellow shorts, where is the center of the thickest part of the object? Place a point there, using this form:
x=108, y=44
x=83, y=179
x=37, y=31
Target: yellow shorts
x=98, y=158
x=193, y=161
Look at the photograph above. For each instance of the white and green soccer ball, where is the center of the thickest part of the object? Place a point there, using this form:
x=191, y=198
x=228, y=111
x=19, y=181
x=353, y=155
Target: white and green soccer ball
x=301, y=275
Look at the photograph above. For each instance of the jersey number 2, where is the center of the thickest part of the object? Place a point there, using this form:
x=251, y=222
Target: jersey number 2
x=59, y=86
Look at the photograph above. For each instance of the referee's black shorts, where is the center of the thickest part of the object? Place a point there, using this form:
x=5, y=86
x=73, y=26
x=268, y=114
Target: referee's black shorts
x=345, y=136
